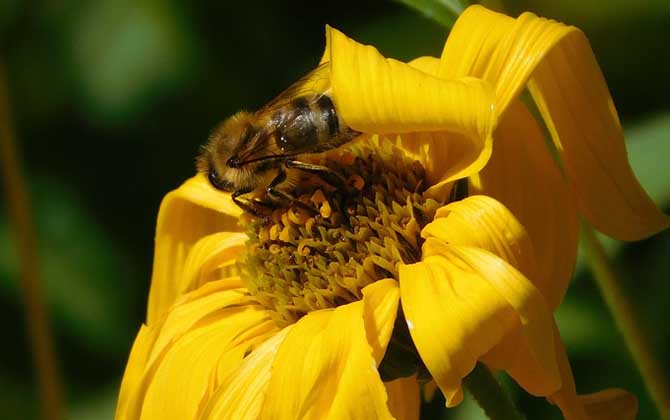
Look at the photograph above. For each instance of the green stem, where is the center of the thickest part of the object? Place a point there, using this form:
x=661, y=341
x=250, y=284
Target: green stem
x=24, y=234
x=444, y=12
x=627, y=322
x=490, y=396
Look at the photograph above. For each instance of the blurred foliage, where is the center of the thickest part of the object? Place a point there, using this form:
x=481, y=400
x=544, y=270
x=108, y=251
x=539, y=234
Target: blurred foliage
x=112, y=99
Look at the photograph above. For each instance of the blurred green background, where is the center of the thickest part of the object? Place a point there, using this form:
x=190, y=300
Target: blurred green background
x=111, y=100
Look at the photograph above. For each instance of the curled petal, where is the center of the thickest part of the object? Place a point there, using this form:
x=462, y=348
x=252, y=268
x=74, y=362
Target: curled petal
x=427, y=64
x=523, y=176
x=461, y=302
x=383, y=96
x=132, y=377
x=198, y=332
x=146, y=347
x=186, y=214
x=485, y=223
x=208, y=255
x=445, y=156
x=558, y=65
x=324, y=369
x=241, y=395
x=610, y=404
x=380, y=309
x=587, y=133
x=404, y=398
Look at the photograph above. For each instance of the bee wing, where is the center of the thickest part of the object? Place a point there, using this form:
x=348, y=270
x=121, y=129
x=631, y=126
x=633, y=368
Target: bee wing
x=314, y=83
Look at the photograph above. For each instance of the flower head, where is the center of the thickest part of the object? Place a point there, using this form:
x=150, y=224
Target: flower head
x=343, y=304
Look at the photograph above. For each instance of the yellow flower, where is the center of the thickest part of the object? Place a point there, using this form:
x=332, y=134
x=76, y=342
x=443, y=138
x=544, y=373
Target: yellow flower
x=491, y=269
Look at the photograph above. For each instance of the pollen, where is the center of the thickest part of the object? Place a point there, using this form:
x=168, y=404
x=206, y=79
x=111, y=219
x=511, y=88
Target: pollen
x=321, y=250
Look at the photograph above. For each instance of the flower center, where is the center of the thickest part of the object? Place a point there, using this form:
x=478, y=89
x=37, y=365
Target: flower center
x=322, y=249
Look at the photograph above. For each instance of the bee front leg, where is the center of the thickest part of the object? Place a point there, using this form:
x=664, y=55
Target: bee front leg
x=277, y=194
x=250, y=206
x=323, y=172
x=331, y=177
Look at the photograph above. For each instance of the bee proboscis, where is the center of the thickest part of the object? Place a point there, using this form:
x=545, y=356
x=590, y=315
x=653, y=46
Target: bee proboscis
x=261, y=150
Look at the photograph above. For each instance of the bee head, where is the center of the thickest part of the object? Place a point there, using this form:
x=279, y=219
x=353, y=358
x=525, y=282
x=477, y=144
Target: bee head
x=207, y=167
x=217, y=159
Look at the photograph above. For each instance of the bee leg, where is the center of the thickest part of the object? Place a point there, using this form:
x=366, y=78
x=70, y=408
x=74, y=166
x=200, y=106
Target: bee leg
x=323, y=172
x=280, y=195
x=250, y=206
x=332, y=178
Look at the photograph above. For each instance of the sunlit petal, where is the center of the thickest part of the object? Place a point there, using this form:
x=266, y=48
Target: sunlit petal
x=554, y=59
x=586, y=130
x=485, y=223
x=325, y=369
x=461, y=302
x=241, y=396
x=186, y=214
x=199, y=329
x=427, y=64
x=380, y=300
x=135, y=370
x=208, y=255
x=445, y=156
x=523, y=176
x=384, y=96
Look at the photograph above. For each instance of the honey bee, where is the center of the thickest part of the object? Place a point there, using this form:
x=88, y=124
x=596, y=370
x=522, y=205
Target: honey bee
x=260, y=151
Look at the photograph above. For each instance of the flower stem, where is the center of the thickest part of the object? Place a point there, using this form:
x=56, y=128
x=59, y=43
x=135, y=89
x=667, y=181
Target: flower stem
x=444, y=12
x=490, y=396
x=24, y=235
x=627, y=322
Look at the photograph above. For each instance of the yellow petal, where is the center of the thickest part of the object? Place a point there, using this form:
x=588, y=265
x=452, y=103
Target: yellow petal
x=177, y=373
x=446, y=157
x=610, y=404
x=324, y=369
x=178, y=387
x=135, y=370
x=427, y=64
x=522, y=175
x=241, y=396
x=404, y=398
x=189, y=310
x=380, y=309
x=208, y=300
x=483, y=222
x=558, y=65
x=460, y=303
x=186, y=214
x=207, y=255
x=586, y=130
x=384, y=96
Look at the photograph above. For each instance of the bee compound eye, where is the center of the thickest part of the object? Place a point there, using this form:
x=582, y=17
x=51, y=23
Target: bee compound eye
x=216, y=181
